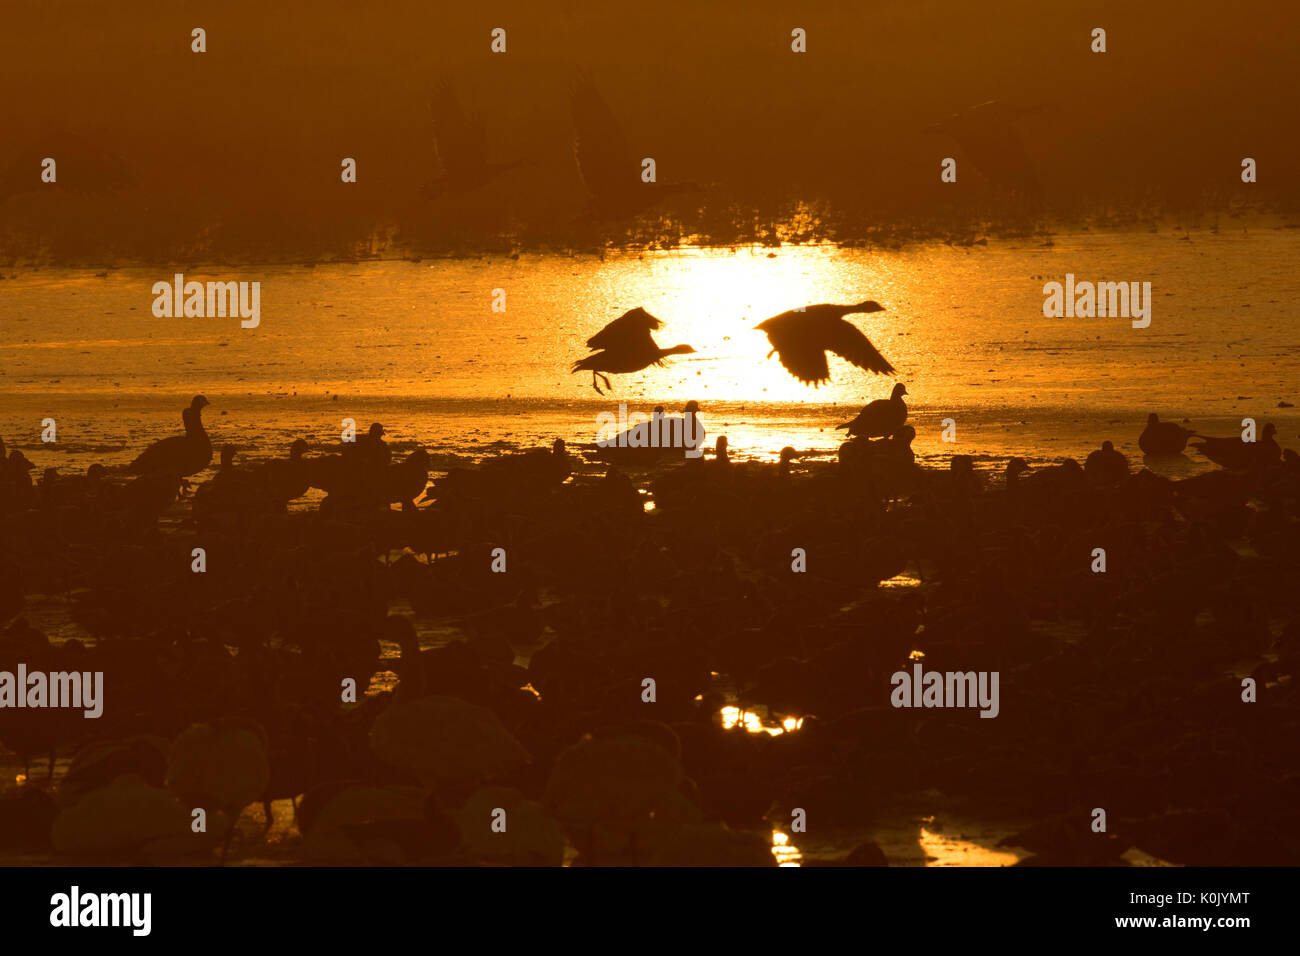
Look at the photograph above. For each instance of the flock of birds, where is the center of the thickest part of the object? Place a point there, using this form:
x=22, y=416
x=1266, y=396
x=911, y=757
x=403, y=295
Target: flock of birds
x=560, y=584
x=800, y=338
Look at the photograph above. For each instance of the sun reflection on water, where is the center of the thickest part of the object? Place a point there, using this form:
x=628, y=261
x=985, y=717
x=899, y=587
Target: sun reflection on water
x=786, y=853
x=753, y=723
x=940, y=850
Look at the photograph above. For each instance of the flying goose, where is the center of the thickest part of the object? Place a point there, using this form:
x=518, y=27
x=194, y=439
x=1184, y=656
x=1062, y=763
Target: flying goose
x=625, y=345
x=801, y=339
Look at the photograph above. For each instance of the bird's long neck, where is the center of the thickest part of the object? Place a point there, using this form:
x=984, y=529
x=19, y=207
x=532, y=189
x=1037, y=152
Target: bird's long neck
x=676, y=350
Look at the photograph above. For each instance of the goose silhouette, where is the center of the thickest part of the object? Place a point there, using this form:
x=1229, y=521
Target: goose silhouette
x=1163, y=438
x=881, y=418
x=180, y=455
x=801, y=339
x=625, y=345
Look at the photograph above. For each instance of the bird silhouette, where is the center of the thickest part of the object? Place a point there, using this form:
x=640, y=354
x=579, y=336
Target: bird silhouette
x=625, y=345
x=1106, y=465
x=610, y=170
x=801, y=339
x=673, y=435
x=281, y=480
x=881, y=418
x=1163, y=438
x=461, y=146
x=1236, y=454
x=180, y=455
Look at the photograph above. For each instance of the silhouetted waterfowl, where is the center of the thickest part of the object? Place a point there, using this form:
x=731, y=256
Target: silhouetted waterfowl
x=534, y=469
x=695, y=480
x=280, y=481
x=1016, y=468
x=326, y=472
x=1238, y=455
x=74, y=491
x=1068, y=473
x=964, y=481
x=788, y=454
x=471, y=744
x=225, y=493
x=101, y=762
x=881, y=418
x=407, y=480
x=16, y=489
x=1106, y=465
x=370, y=448
x=887, y=467
x=610, y=169
x=461, y=146
x=147, y=497
x=672, y=435
x=720, y=456
x=625, y=345
x=801, y=340
x=1163, y=438
x=221, y=766
x=182, y=455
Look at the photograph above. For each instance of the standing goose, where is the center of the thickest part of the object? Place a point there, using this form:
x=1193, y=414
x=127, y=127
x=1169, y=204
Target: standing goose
x=1163, y=438
x=180, y=455
x=625, y=345
x=881, y=418
x=801, y=340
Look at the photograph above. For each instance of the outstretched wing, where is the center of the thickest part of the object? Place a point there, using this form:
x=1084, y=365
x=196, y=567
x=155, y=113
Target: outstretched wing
x=805, y=362
x=850, y=344
x=631, y=328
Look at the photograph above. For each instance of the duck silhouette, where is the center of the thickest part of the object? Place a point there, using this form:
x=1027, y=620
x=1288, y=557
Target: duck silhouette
x=801, y=339
x=625, y=345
